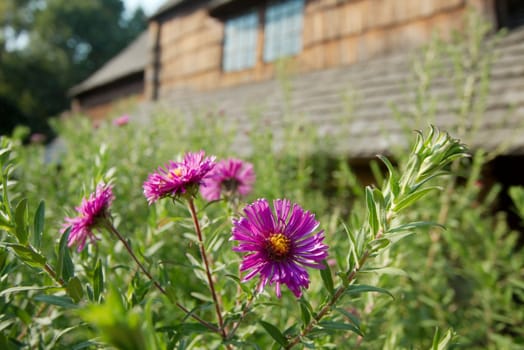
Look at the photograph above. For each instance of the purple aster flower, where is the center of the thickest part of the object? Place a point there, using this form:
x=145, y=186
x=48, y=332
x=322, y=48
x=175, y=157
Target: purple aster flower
x=91, y=212
x=279, y=245
x=178, y=178
x=229, y=177
x=121, y=121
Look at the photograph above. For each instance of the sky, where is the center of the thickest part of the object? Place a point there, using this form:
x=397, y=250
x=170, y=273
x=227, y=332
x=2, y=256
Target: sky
x=149, y=6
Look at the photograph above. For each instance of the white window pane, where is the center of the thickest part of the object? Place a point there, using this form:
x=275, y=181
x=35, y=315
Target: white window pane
x=239, y=48
x=283, y=29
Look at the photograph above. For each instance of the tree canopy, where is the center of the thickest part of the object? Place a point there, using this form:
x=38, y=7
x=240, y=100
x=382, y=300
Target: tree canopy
x=47, y=46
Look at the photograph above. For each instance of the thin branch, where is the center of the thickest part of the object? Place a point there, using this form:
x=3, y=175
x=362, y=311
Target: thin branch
x=208, y=270
x=113, y=230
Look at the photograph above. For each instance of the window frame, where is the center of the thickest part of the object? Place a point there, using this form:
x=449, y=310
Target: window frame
x=239, y=50
x=283, y=29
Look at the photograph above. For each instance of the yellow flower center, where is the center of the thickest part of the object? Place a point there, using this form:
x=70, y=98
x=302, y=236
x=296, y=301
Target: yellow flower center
x=176, y=172
x=278, y=245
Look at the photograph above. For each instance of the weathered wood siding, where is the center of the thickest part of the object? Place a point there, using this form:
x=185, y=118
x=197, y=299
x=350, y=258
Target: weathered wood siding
x=188, y=53
x=101, y=102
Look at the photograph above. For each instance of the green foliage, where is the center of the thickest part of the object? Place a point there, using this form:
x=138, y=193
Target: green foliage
x=66, y=41
x=421, y=250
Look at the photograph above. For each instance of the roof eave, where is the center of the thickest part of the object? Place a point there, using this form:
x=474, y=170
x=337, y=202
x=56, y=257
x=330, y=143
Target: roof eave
x=79, y=89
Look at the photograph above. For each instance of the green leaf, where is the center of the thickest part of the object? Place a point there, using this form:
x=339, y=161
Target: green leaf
x=171, y=293
x=306, y=310
x=372, y=211
x=413, y=197
x=393, y=178
x=339, y=326
x=12, y=290
x=192, y=327
x=386, y=271
x=443, y=343
x=21, y=218
x=363, y=288
x=353, y=318
x=65, y=302
x=98, y=280
x=74, y=289
x=28, y=255
x=237, y=280
x=201, y=296
x=39, y=224
x=65, y=266
x=5, y=195
x=413, y=225
x=274, y=332
x=4, y=342
x=327, y=278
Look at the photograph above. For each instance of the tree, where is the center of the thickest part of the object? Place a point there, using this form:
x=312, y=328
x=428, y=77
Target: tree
x=66, y=42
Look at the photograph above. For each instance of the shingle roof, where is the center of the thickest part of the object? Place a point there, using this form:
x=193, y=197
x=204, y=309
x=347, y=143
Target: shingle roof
x=132, y=59
x=319, y=99
x=168, y=5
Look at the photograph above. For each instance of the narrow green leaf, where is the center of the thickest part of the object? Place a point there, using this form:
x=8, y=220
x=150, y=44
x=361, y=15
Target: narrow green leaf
x=65, y=302
x=444, y=342
x=397, y=236
x=372, y=211
x=21, y=218
x=237, y=280
x=274, y=332
x=201, y=296
x=4, y=342
x=3, y=257
x=413, y=197
x=393, y=178
x=353, y=318
x=436, y=337
x=192, y=327
x=363, y=288
x=98, y=280
x=327, y=278
x=352, y=254
x=306, y=310
x=386, y=271
x=39, y=224
x=377, y=172
x=414, y=225
x=12, y=290
x=74, y=289
x=28, y=255
x=65, y=266
x=7, y=228
x=339, y=326
x=171, y=293
x=5, y=195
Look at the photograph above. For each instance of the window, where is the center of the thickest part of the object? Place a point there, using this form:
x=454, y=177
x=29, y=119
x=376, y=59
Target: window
x=283, y=29
x=240, y=42
x=510, y=13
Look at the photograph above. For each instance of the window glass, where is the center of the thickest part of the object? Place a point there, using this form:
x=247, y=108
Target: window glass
x=283, y=29
x=240, y=42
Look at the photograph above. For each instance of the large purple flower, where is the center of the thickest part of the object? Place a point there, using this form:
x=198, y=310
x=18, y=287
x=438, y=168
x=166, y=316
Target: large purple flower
x=90, y=213
x=279, y=245
x=230, y=177
x=178, y=178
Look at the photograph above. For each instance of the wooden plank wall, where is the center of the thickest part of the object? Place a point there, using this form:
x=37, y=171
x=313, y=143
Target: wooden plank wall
x=335, y=32
x=110, y=99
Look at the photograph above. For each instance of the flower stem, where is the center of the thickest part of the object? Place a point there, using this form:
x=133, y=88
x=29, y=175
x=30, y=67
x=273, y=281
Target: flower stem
x=334, y=299
x=51, y=272
x=109, y=226
x=245, y=311
x=208, y=270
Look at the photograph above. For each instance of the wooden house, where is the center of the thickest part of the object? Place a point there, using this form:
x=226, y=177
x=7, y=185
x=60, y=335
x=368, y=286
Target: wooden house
x=226, y=54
